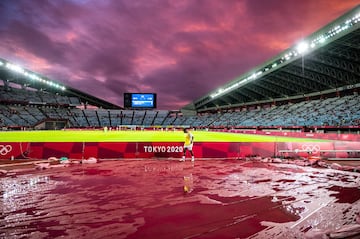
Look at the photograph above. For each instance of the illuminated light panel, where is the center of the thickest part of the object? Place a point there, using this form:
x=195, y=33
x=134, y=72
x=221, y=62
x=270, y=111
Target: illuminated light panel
x=31, y=76
x=14, y=68
x=302, y=47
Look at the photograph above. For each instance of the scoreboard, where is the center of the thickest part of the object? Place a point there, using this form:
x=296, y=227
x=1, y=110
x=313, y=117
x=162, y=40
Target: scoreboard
x=140, y=100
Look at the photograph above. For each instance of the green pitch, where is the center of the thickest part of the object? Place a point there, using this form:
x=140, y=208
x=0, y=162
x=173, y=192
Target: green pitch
x=139, y=136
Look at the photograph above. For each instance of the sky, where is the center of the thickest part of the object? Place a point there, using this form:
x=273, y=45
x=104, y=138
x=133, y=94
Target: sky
x=179, y=49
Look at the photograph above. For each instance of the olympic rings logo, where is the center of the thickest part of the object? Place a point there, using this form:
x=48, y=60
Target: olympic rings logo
x=5, y=149
x=310, y=148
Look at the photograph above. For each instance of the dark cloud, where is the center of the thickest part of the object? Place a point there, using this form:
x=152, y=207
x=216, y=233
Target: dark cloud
x=33, y=40
x=180, y=50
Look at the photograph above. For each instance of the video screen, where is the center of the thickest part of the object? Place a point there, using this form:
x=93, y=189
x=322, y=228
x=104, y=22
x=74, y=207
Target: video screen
x=140, y=100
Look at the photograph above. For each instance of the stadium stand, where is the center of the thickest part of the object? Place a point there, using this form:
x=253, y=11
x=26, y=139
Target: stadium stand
x=149, y=118
x=127, y=117
x=337, y=111
x=91, y=117
x=104, y=117
x=333, y=111
x=115, y=117
x=138, y=117
x=23, y=107
x=160, y=117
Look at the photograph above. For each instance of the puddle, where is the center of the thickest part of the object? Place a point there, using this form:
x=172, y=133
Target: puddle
x=146, y=199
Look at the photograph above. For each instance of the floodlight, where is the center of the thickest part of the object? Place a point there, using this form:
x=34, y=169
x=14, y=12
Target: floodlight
x=14, y=67
x=302, y=47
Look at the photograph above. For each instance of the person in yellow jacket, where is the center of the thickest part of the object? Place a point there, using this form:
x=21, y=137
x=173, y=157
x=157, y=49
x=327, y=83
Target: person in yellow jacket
x=188, y=145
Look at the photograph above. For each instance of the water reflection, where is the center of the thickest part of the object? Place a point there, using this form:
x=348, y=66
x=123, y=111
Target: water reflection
x=188, y=183
x=129, y=199
x=15, y=188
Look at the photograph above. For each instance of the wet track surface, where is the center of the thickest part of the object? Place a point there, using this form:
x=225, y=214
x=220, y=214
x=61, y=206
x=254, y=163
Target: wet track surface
x=146, y=199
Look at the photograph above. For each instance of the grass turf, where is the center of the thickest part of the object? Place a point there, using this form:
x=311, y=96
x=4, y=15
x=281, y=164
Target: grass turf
x=139, y=136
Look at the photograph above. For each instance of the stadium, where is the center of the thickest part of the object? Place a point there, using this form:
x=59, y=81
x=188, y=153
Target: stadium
x=277, y=153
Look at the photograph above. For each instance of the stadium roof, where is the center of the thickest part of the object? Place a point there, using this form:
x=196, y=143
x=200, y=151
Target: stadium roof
x=11, y=73
x=327, y=61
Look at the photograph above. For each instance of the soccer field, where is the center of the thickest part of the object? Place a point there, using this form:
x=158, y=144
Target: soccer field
x=139, y=136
